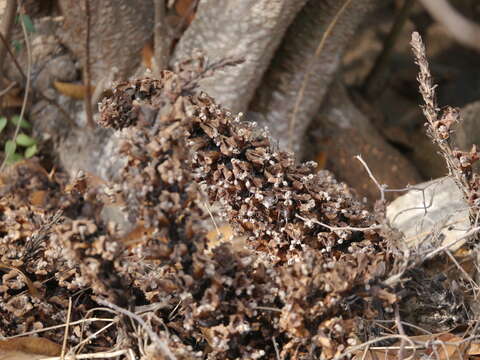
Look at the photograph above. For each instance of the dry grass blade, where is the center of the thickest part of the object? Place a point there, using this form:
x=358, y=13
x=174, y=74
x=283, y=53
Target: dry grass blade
x=159, y=344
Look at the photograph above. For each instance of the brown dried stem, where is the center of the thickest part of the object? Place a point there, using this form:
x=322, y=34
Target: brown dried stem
x=160, y=344
x=439, y=128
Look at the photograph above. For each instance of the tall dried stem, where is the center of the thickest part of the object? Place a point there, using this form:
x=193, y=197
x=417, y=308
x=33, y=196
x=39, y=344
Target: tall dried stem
x=439, y=128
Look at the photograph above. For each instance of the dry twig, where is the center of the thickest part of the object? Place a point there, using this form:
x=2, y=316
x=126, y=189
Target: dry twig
x=465, y=31
x=161, y=43
x=88, y=76
x=159, y=343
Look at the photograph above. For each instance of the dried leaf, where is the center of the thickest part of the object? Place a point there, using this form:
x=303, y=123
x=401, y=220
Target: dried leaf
x=75, y=91
x=218, y=235
x=37, y=198
x=321, y=160
x=186, y=9
x=474, y=349
x=447, y=347
x=25, y=347
x=11, y=100
x=135, y=237
x=147, y=55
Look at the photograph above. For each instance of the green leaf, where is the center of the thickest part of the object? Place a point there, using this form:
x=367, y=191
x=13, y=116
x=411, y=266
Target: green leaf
x=23, y=123
x=27, y=21
x=17, y=45
x=3, y=123
x=14, y=158
x=30, y=151
x=10, y=148
x=25, y=140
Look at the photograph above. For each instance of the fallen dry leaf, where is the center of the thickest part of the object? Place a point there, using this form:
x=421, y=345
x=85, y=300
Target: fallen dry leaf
x=321, y=160
x=186, y=9
x=442, y=346
x=474, y=349
x=75, y=91
x=28, y=348
x=147, y=55
x=38, y=197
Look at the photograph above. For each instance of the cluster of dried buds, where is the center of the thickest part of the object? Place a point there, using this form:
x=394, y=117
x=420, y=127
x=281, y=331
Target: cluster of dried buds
x=313, y=266
x=314, y=246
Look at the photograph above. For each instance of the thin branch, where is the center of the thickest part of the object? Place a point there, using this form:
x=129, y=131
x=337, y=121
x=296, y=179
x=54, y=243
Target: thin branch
x=275, y=345
x=54, y=327
x=6, y=31
x=381, y=188
x=87, y=73
x=161, y=43
x=339, y=228
x=99, y=355
x=355, y=348
x=162, y=346
x=67, y=326
x=440, y=127
x=462, y=270
x=465, y=31
x=401, y=331
x=7, y=89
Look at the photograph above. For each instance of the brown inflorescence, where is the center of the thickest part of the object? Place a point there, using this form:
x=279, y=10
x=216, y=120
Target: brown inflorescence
x=311, y=267
x=315, y=242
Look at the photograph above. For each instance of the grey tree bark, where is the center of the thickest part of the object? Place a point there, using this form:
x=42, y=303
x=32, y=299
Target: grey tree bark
x=248, y=29
x=119, y=28
x=306, y=58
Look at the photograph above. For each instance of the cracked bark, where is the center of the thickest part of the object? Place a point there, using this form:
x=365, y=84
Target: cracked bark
x=251, y=29
x=276, y=97
x=119, y=28
x=248, y=29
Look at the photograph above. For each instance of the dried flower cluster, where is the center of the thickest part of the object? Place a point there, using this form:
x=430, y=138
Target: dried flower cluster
x=313, y=268
x=314, y=247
